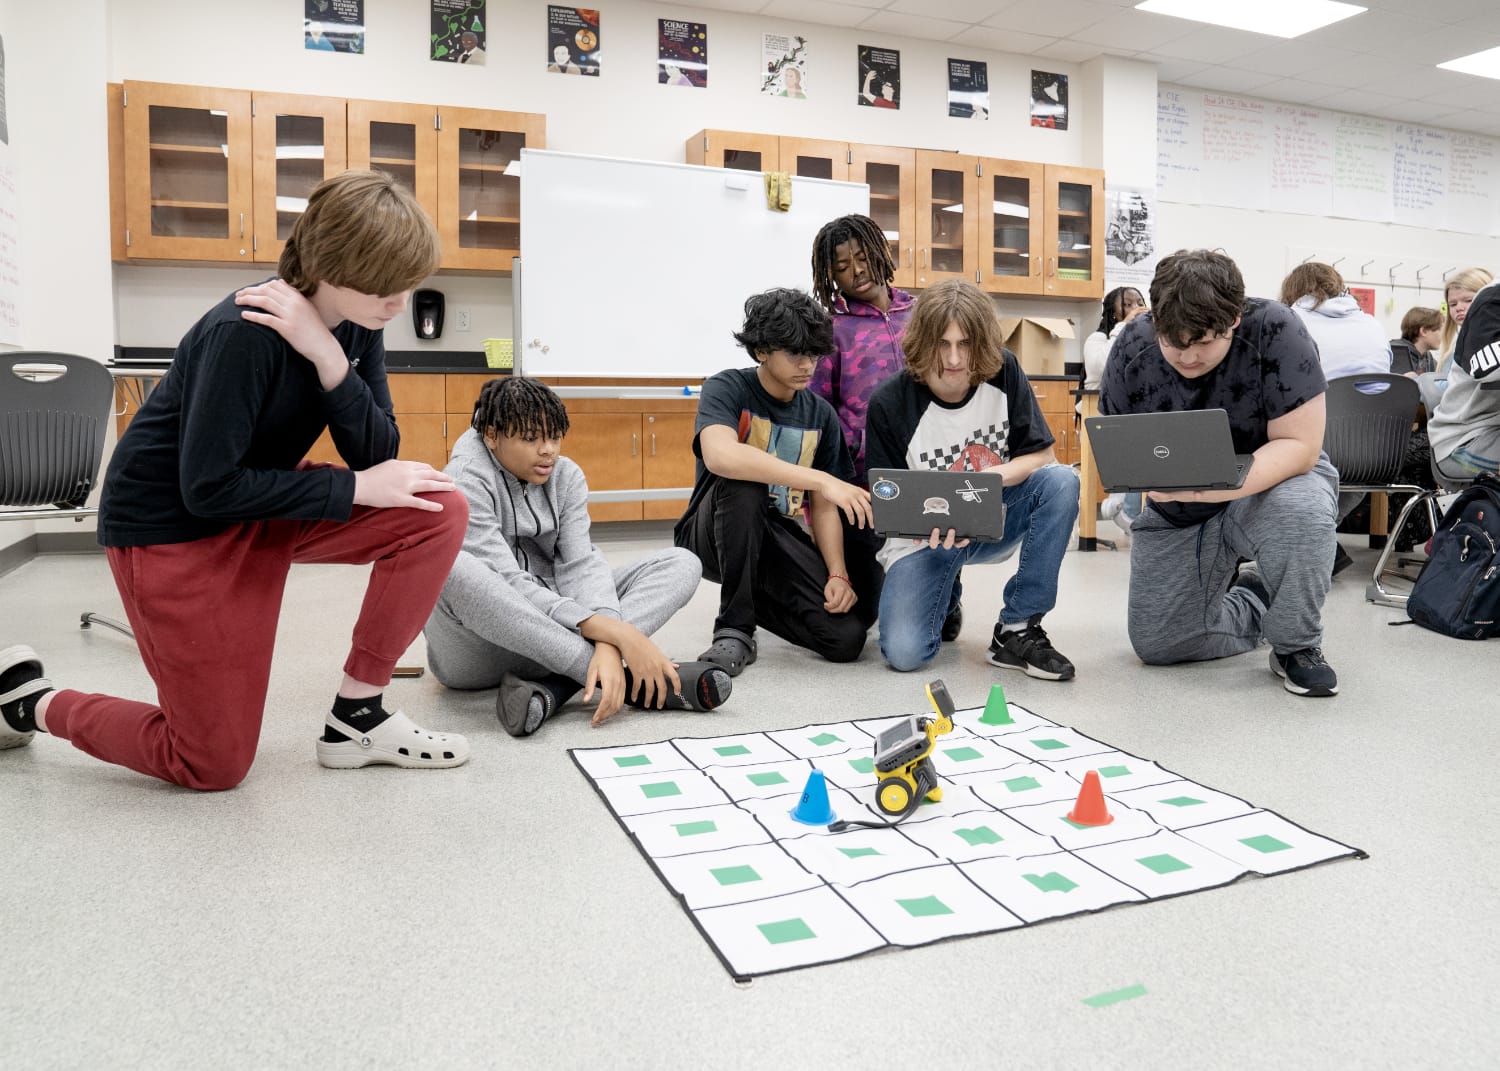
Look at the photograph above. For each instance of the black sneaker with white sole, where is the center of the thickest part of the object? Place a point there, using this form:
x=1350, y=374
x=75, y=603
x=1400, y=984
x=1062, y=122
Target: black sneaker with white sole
x=1305, y=672
x=1029, y=650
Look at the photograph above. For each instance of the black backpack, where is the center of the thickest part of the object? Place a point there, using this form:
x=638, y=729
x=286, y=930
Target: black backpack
x=1458, y=591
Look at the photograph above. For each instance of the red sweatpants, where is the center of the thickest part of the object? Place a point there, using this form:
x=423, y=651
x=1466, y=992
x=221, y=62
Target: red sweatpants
x=205, y=614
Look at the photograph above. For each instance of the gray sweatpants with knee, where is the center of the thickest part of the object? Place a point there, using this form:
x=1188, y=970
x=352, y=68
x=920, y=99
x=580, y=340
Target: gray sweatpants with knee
x=482, y=628
x=1179, y=608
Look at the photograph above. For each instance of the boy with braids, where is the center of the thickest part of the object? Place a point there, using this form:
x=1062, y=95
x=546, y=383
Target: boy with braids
x=531, y=604
x=763, y=443
x=208, y=503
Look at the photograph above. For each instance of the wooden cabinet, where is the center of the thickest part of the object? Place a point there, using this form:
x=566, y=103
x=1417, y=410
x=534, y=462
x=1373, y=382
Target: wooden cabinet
x=735, y=150
x=221, y=175
x=947, y=202
x=811, y=158
x=891, y=174
x=1074, y=232
x=418, y=402
x=1010, y=230
x=1055, y=398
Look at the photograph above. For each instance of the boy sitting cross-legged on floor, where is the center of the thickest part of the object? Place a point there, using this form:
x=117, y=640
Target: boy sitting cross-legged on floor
x=531, y=603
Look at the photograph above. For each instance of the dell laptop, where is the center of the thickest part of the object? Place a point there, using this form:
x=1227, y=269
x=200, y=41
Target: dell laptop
x=1188, y=451
x=912, y=502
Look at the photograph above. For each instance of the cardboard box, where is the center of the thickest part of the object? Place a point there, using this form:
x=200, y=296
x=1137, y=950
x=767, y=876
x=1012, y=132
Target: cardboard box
x=1038, y=343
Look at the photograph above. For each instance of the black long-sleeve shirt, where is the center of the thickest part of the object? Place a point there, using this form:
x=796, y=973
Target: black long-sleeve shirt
x=219, y=439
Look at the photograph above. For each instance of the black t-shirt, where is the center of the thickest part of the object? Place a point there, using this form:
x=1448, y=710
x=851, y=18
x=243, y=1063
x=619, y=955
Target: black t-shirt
x=218, y=439
x=803, y=431
x=1271, y=368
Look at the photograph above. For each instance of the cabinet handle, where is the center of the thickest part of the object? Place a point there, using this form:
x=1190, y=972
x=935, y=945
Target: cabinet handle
x=924, y=259
x=635, y=443
x=908, y=256
x=653, y=444
x=242, y=224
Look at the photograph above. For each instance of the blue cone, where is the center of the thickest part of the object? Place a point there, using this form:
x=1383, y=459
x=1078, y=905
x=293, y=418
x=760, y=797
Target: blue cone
x=813, y=808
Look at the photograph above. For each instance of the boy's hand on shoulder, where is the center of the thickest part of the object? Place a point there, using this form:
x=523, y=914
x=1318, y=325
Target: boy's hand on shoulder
x=283, y=309
x=608, y=675
x=397, y=483
x=853, y=502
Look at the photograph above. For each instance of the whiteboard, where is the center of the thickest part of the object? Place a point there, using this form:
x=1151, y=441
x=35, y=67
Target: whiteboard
x=639, y=268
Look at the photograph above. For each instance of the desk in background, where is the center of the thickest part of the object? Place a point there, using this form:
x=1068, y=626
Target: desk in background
x=1088, y=473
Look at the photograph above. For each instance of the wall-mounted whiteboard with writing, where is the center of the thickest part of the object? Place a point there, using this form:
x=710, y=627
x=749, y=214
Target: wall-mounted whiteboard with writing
x=640, y=268
x=1240, y=152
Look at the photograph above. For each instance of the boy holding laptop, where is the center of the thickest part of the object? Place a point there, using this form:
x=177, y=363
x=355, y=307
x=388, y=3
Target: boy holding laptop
x=1205, y=346
x=963, y=404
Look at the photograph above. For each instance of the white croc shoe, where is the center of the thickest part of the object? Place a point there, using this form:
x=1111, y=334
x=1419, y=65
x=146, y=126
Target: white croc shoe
x=397, y=741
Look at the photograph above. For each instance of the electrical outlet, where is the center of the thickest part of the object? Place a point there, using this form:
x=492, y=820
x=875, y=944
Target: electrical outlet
x=460, y=319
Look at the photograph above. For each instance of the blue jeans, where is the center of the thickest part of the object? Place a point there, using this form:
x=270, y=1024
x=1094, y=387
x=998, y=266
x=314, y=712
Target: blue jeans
x=920, y=589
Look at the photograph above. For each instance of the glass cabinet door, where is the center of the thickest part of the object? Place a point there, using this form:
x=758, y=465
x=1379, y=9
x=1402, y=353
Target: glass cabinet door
x=479, y=188
x=946, y=189
x=891, y=175
x=810, y=158
x=1010, y=227
x=187, y=172
x=299, y=141
x=399, y=139
x=1075, y=232
x=734, y=150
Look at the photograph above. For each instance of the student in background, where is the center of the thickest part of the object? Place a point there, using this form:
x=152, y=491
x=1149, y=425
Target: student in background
x=1350, y=341
x=531, y=604
x=1458, y=294
x=1465, y=430
x=1421, y=336
x=1121, y=305
x=207, y=504
x=764, y=442
x=964, y=404
x=1204, y=345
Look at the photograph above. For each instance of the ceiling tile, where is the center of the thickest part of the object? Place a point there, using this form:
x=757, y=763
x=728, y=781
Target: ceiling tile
x=1292, y=59
x=966, y=11
x=1229, y=79
x=1172, y=70
x=1134, y=31
x=1380, y=33
x=821, y=12
x=1294, y=91
x=918, y=26
x=1022, y=44
x=1211, y=44
x=1359, y=101
x=1055, y=18
x=1067, y=51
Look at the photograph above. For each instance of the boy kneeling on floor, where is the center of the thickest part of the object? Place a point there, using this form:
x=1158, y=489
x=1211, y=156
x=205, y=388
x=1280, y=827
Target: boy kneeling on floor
x=531, y=604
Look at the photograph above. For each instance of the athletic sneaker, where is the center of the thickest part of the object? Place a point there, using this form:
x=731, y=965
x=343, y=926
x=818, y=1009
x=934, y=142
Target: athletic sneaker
x=1248, y=579
x=1028, y=649
x=1305, y=672
x=953, y=624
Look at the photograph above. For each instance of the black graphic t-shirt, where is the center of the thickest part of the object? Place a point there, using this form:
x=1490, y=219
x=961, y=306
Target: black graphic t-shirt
x=1271, y=369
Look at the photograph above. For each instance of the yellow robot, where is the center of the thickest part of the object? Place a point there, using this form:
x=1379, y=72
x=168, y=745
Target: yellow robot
x=902, y=766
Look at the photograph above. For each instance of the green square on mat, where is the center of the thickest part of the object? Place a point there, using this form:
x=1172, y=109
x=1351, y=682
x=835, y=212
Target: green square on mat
x=1051, y=881
x=1022, y=784
x=658, y=789
x=865, y=765
x=734, y=875
x=632, y=760
x=1265, y=843
x=1182, y=801
x=979, y=835
x=779, y=933
x=963, y=754
x=1163, y=864
x=765, y=780
x=824, y=739
x=730, y=750
x=1114, y=771
x=924, y=907
x=856, y=853
x=1049, y=744
x=693, y=829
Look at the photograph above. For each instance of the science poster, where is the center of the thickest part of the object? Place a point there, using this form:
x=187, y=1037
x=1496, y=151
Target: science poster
x=968, y=89
x=681, y=53
x=572, y=40
x=1130, y=254
x=879, y=77
x=334, y=26
x=1049, y=100
x=458, y=31
x=785, y=70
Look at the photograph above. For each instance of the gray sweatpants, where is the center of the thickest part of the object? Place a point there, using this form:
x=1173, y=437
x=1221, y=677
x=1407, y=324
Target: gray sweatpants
x=482, y=629
x=1179, y=609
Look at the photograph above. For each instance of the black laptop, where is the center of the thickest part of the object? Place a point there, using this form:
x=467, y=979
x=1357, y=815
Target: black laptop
x=1190, y=451
x=912, y=502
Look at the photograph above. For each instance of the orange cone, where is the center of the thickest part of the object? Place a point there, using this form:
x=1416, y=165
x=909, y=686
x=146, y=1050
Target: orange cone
x=1090, y=809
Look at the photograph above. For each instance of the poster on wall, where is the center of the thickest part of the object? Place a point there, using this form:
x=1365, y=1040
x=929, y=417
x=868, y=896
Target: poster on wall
x=458, y=31
x=681, y=53
x=334, y=26
x=785, y=59
x=879, y=77
x=572, y=40
x=968, y=89
x=1049, y=100
x=1130, y=253
x=10, y=230
x=1364, y=297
